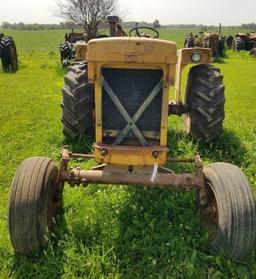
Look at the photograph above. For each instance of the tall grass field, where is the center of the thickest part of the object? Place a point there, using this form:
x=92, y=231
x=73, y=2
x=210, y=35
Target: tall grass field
x=118, y=231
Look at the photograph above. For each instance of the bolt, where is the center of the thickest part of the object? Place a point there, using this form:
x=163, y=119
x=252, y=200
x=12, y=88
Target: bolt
x=155, y=154
x=188, y=180
x=104, y=152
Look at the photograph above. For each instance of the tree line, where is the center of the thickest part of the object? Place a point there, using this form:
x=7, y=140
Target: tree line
x=38, y=26
x=129, y=24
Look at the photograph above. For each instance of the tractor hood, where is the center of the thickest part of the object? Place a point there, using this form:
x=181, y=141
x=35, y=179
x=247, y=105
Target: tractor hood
x=131, y=50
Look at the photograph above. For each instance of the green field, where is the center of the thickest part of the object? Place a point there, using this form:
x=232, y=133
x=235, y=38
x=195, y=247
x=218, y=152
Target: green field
x=112, y=231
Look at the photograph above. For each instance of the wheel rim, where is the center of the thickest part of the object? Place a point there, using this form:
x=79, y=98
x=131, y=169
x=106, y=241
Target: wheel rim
x=209, y=212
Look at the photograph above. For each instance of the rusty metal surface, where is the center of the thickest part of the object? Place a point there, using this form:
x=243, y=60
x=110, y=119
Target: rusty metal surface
x=208, y=210
x=150, y=176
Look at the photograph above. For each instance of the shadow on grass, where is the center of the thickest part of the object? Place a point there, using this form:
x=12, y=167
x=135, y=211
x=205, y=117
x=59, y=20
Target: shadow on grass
x=135, y=232
x=46, y=264
x=83, y=144
x=226, y=148
x=160, y=235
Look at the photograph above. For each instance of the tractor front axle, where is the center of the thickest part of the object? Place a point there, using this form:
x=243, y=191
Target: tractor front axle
x=149, y=176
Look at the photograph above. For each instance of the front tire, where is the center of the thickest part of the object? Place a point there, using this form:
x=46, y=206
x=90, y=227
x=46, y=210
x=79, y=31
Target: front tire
x=33, y=204
x=205, y=100
x=228, y=210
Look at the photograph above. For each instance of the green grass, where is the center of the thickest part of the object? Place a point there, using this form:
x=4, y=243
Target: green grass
x=112, y=231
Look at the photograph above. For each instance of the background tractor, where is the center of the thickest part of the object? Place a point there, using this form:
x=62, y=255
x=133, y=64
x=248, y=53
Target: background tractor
x=253, y=52
x=8, y=54
x=76, y=42
x=242, y=41
x=67, y=50
x=212, y=40
x=120, y=97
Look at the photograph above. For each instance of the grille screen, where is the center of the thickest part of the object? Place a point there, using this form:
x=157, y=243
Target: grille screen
x=132, y=87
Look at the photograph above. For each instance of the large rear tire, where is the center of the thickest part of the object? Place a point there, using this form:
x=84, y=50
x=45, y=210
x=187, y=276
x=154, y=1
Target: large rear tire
x=33, y=204
x=65, y=54
x=221, y=47
x=228, y=210
x=189, y=42
x=205, y=99
x=8, y=54
x=239, y=44
x=229, y=42
x=253, y=52
x=78, y=103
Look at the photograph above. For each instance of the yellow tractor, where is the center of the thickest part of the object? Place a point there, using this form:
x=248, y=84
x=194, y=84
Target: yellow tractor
x=121, y=92
x=212, y=40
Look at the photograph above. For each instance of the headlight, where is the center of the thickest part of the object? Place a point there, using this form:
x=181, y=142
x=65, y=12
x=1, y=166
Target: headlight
x=196, y=57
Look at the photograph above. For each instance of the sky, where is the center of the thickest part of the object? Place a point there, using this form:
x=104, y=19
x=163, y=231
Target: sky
x=207, y=12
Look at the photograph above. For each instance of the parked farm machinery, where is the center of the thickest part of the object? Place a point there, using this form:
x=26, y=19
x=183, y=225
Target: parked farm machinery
x=67, y=50
x=212, y=40
x=76, y=41
x=8, y=54
x=119, y=95
x=242, y=41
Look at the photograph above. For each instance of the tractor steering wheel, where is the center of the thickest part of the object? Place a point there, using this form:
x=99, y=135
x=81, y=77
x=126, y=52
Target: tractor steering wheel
x=145, y=35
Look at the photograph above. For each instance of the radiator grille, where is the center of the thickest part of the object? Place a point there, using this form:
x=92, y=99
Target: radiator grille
x=132, y=87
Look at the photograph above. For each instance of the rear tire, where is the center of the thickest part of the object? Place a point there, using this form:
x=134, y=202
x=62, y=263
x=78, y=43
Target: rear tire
x=205, y=99
x=78, y=103
x=229, y=41
x=221, y=47
x=228, y=210
x=33, y=204
x=8, y=54
x=253, y=52
x=189, y=42
x=239, y=44
x=65, y=54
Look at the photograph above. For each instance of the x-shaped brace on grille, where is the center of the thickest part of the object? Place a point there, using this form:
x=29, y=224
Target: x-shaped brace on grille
x=131, y=122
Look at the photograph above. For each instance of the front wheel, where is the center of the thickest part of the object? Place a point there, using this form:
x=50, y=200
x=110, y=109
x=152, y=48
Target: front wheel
x=33, y=204
x=227, y=207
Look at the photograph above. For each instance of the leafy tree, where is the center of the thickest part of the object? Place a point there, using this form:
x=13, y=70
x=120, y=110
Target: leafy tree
x=88, y=14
